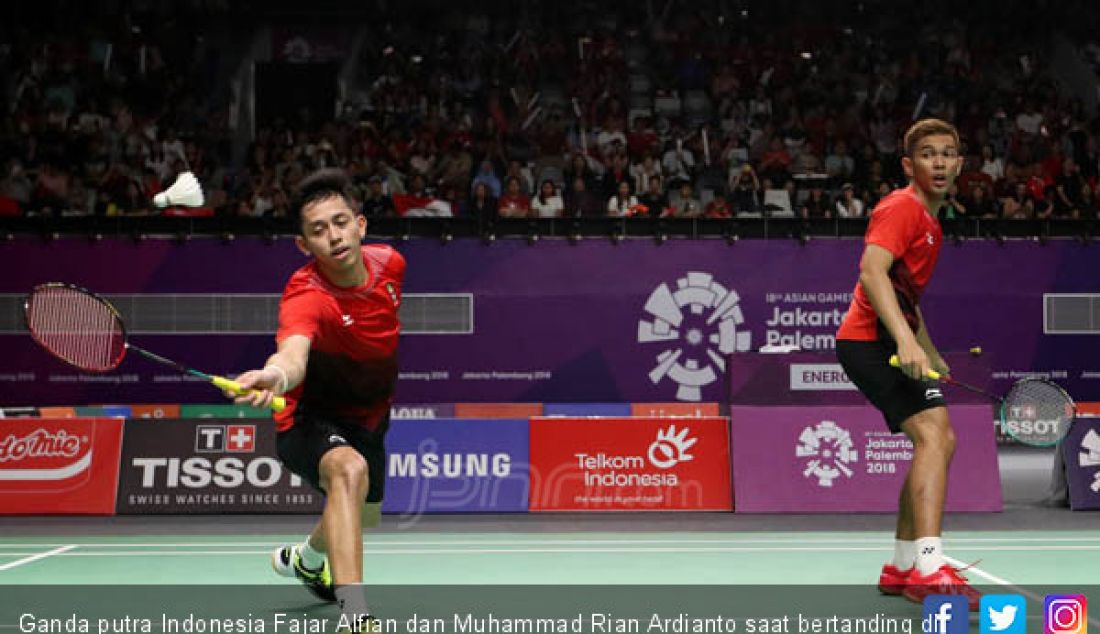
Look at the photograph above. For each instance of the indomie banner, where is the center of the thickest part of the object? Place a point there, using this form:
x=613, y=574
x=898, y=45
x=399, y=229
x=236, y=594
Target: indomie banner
x=557, y=322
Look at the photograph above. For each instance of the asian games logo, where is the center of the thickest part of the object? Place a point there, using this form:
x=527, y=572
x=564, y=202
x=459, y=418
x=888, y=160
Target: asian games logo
x=828, y=449
x=698, y=324
x=1089, y=456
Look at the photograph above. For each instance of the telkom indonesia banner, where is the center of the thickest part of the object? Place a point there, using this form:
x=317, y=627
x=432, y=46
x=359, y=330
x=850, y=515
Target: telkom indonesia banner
x=837, y=459
x=559, y=323
x=581, y=464
x=59, y=466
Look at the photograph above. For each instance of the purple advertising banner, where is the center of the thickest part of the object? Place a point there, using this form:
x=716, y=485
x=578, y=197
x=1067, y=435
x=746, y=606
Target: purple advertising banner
x=1082, y=454
x=457, y=466
x=840, y=459
x=556, y=323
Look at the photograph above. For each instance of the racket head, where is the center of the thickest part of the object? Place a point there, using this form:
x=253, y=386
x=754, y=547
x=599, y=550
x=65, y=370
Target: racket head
x=76, y=326
x=1037, y=412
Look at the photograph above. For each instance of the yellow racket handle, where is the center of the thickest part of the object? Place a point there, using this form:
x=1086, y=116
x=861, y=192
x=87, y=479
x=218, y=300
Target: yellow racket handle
x=932, y=374
x=278, y=403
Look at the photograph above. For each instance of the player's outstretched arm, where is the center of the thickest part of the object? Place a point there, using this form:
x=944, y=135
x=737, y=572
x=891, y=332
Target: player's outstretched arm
x=283, y=372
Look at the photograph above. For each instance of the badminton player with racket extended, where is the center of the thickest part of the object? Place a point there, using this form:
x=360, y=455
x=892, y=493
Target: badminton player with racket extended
x=336, y=362
x=902, y=245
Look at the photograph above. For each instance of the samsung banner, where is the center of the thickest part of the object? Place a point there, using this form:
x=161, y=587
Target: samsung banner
x=556, y=323
x=456, y=466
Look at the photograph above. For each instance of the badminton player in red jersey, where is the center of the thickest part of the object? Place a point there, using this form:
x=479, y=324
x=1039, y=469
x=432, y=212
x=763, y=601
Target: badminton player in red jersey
x=336, y=363
x=902, y=245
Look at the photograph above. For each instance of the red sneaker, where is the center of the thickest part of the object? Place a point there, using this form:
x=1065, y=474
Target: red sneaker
x=946, y=580
x=892, y=580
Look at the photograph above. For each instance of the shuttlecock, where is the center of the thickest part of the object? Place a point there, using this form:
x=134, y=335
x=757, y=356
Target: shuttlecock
x=185, y=192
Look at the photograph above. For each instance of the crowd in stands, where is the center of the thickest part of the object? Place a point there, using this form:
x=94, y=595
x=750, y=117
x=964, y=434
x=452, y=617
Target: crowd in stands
x=676, y=109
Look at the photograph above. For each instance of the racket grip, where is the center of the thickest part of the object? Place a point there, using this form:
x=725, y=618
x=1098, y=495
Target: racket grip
x=278, y=403
x=932, y=374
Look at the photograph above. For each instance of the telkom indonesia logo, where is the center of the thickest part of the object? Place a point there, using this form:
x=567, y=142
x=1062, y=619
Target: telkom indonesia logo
x=1090, y=456
x=829, y=450
x=670, y=448
x=698, y=324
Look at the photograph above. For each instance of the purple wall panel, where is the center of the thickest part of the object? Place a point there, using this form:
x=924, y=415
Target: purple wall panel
x=562, y=323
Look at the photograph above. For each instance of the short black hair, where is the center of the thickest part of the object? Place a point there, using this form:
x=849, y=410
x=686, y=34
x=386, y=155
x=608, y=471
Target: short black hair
x=322, y=184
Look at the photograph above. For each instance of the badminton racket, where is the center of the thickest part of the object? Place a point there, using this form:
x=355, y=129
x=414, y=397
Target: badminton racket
x=1034, y=411
x=85, y=331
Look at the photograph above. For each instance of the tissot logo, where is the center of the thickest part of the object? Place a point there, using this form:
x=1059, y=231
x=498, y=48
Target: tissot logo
x=225, y=438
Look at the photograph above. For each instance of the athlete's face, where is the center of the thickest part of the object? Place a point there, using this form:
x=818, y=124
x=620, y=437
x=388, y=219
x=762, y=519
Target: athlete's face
x=934, y=165
x=332, y=232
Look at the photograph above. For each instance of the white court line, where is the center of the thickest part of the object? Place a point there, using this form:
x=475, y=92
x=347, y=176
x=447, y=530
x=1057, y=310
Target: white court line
x=573, y=542
x=36, y=557
x=496, y=551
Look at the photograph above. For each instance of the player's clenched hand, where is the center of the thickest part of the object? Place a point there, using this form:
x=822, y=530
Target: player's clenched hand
x=262, y=385
x=913, y=360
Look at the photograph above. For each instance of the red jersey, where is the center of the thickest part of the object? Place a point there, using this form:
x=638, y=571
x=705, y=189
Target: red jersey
x=352, y=365
x=901, y=225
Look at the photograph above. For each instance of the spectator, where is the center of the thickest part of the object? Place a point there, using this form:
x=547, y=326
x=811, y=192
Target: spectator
x=686, y=205
x=1019, y=205
x=847, y=204
x=654, y=198
x=1067, y=191
x=678, y=163
x=745, y=191
x=642, y=173
x=838, y=165
x=547, y=203
x=580, y=202
x=718, y=208
x=992, y=165
x=623, y=204
x=816, y=205
x=487, y=176
x=980, y=203
x=515, y=202
x=775, y=165
x=483, y=205
x=376, y=204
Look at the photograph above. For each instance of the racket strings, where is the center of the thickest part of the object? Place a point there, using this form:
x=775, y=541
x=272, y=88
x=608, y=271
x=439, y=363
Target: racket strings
x=76, y=327
x=1037, y=400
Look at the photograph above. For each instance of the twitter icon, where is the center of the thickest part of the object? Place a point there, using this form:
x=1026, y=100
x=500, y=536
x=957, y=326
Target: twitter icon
x=1003, y=614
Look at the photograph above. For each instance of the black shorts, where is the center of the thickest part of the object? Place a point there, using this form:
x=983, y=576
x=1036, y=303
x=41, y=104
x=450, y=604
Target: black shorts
x=867, y=364
x=302, y=446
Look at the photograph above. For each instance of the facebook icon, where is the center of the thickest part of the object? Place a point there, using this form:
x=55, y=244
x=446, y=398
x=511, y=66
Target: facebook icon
x=945, y=614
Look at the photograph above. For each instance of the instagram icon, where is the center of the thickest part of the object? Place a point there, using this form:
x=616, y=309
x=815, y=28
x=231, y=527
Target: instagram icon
x=1065, y=614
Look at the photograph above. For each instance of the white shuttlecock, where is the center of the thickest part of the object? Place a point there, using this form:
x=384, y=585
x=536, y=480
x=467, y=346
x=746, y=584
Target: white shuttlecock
x=185, y=192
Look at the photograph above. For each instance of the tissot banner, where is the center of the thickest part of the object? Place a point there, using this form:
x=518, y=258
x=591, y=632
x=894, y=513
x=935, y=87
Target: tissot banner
x=208, y=466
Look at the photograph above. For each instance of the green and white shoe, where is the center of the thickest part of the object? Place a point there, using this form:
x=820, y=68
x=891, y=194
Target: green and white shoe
x=287, y=562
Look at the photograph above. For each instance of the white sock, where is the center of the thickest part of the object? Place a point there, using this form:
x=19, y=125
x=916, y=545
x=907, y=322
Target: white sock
x=311, y=559
x=905, y=554
x=352, y=600
x=929, y=555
